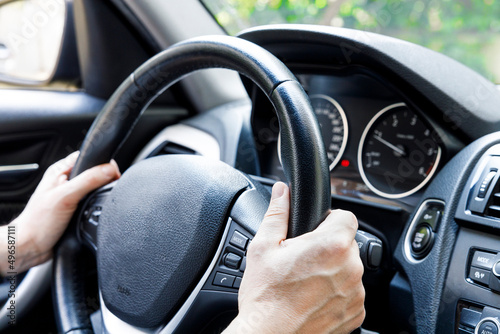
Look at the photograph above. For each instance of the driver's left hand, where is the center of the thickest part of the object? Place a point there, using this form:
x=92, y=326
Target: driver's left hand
x=49, y=211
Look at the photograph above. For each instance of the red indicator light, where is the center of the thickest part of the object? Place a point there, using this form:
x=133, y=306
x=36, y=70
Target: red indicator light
x=345, y=163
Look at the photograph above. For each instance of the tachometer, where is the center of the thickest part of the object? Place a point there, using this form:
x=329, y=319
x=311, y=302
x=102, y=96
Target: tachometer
x=333, y=123
x=398, y=153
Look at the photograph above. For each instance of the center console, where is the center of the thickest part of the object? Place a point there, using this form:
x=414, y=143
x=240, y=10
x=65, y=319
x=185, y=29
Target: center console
x=471, y=296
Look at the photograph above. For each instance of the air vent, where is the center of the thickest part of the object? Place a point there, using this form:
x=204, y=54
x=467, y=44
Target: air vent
x=485, y=195
x=493, y=208
x=479, y=205
x=171, y=148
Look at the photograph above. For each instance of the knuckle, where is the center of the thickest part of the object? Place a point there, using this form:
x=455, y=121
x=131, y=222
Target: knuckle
x=357, y=271
x=53, y=169
x=358, y=321
x=346, y=218
x=352, y=221
x=257, y=248
x=92, y=178
x=275, y=211
x=331, y=251
x=341, y=246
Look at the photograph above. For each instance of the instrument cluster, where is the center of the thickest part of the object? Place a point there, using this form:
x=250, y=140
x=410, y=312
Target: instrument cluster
x=380, y=148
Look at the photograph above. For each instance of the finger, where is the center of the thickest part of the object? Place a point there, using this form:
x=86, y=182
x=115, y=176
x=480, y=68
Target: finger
x=91, y=179
x=52, y=176
x=274, y=227
x=339, y=221
x=116, y=165
x=63, y=166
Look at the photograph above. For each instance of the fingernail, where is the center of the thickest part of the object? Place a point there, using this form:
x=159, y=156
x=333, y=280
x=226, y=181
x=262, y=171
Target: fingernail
x=278, y=190
x=113, y=162
x=108, y=170
x=74, y=155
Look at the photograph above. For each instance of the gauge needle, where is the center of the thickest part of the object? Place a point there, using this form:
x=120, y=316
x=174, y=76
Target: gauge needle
x=393, y=147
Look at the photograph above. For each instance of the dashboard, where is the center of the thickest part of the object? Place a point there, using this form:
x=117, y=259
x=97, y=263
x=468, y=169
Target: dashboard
x=382, y=148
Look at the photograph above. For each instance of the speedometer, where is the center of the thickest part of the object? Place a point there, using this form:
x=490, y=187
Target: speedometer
x=333, y=124
x=398, y=153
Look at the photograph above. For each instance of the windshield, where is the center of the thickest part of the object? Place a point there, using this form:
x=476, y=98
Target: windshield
x=467, y=30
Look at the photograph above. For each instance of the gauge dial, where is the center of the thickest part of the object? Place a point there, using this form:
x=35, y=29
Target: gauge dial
x=333, y=123
x=397, y=153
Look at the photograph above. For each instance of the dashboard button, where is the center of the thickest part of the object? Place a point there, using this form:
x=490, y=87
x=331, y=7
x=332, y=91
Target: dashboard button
x=421, y=239
x=238, y=240
x=479, y=275
x=431, y=216
x=487, y=327
x=225, y=280
x=483, y=260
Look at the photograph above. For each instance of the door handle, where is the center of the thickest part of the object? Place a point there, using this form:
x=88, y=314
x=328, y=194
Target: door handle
x=10, y=174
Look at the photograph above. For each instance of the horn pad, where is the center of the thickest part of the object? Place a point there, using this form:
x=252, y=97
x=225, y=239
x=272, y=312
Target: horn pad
x=158, y=232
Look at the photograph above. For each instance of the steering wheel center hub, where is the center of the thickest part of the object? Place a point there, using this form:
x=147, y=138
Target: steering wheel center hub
x=158, y=232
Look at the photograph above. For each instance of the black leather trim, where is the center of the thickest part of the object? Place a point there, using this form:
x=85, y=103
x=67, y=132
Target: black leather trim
x=68, y=289
x=305, y=153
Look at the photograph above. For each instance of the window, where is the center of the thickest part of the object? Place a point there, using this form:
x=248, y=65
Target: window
x=468, y=31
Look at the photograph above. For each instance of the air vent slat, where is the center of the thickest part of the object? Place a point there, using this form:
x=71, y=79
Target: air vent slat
x=172, y=148
x=494, y=211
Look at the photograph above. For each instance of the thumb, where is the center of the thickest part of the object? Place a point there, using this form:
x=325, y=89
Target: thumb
x=274, y=227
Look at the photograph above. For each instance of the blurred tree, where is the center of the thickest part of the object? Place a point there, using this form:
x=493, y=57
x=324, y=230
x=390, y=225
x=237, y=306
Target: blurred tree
x=466, y=30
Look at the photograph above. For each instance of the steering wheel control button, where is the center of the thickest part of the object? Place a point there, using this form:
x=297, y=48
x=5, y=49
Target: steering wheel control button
x=479, y=275
x=237, y=283
x=238, y=240
x=225, y=280
x=243, y=264
x=232, y=261
x=487, y=326
x=421, y=240
x=483, y=260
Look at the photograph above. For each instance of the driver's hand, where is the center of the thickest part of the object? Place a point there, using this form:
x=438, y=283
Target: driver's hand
x=308, y=284
x=49, y=210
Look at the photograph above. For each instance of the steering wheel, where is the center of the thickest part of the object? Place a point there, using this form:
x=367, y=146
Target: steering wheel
x=170, y=235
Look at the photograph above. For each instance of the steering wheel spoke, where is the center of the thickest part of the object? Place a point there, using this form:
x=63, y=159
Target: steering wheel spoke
x=89, y=216
x=216, y=292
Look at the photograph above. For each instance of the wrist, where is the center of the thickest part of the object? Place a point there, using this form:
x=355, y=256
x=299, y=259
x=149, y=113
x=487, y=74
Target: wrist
x=255, y=321
x=21, y=242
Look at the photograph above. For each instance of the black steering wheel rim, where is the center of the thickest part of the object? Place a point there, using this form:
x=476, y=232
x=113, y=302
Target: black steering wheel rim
x=303, y=153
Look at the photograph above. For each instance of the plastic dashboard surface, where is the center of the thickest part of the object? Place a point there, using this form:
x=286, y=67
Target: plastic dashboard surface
x=370, y=107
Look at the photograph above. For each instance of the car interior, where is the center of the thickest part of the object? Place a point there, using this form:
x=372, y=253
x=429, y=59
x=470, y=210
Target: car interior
x=202, y=124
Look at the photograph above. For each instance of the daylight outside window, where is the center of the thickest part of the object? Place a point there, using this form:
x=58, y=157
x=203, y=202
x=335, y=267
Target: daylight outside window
x=468, y=31
x=31, y=32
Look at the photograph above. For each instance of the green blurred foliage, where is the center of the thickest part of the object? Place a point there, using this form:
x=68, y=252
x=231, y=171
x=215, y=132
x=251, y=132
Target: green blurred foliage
x=466, y=30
